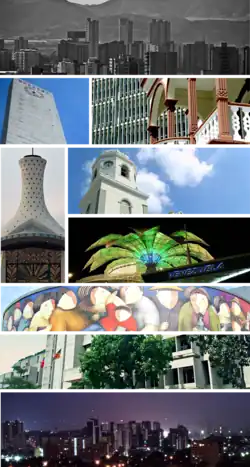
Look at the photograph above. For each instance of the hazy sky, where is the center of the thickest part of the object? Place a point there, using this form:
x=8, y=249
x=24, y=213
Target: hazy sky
x=196, y=411
x=53, y=181
x=14, y=347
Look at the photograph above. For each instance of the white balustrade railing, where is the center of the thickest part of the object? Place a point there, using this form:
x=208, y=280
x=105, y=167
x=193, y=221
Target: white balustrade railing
x=209, y=129
x=239, y=117
x=240, y=122
x=179, y=141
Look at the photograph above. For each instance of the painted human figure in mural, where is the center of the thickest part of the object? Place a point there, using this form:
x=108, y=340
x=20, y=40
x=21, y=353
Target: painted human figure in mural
x=93, y=302
x=224, y=313
x=198, y=314
x=119, y=315
x=239, y=321
x=58, y=311
x=68, y=315
x=168, y=305
x=20, y=320
x=144, y=310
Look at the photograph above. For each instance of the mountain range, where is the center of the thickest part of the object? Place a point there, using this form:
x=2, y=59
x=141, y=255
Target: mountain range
x=190, y=21
x=169, y=9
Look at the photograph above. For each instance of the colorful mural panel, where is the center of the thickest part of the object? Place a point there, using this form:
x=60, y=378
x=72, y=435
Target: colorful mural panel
x=128, y=308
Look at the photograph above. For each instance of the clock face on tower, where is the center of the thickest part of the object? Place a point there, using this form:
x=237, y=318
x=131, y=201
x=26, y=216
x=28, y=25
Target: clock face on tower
x=108, y=164
x=35, y=92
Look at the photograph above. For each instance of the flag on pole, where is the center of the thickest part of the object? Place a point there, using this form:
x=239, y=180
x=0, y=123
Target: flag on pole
x=42, y=363
x=57, y=354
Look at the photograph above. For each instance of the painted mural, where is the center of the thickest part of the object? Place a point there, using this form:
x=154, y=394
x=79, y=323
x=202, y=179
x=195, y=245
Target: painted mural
x=128, y=308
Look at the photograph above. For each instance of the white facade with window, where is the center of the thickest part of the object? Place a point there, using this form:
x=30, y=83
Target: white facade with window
x=113, y=188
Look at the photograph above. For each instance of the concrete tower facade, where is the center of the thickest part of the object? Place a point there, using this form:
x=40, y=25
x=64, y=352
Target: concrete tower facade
x=113, y=188
x=32, y=212
x=126, y=30
x=32, y=241
x=31, y=116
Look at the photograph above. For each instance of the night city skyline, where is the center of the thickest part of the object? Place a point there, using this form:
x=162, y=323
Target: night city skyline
x=196, y=411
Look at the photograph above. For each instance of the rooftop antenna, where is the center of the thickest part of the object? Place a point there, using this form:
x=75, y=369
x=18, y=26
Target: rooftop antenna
x=32, y=151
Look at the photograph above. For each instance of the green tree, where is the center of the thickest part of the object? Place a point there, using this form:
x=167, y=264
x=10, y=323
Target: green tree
x=228, y=354
x=119, y=362
x=18, y=382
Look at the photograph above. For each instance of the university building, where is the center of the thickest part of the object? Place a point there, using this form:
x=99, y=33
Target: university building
x=190, y=369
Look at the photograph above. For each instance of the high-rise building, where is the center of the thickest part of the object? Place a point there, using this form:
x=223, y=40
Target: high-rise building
x=77, y=51
x=160, y=32
x=178, y=437
x=126, y=30
x=113, y=188
x=12, y=434
x=31, y=116
x=92, y=36
x=32, y=241
x=1, y=44
x=20, y=43
x=6, y=60
x=120, y=113
x=93, y=430
x=225, y=60
x=196, y=58
x=25, y=59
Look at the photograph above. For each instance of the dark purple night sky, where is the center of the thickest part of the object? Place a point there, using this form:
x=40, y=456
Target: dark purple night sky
x=62, y=411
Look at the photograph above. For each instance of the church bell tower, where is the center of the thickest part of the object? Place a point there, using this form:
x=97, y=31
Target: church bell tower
x=113, y=188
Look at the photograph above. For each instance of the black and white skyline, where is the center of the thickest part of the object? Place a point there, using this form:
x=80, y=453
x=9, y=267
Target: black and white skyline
x=125, y=37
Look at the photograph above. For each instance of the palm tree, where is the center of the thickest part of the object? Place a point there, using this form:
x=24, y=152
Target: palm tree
x=145, y=251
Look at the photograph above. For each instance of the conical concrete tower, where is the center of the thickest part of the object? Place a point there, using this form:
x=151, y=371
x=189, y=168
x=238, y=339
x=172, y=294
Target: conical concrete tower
x=32, y=227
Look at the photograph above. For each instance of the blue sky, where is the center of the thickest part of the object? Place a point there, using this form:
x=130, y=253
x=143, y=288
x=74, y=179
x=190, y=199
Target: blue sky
x=72, y=101
x=9, y=293
x=194, y=181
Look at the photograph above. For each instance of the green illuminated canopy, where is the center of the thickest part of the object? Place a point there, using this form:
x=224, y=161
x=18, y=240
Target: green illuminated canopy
x=148, y=250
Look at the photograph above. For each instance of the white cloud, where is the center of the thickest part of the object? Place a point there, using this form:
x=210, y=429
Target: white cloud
x=54, y=181
x=87, y=169
x=149, y=182
x=182, y=166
